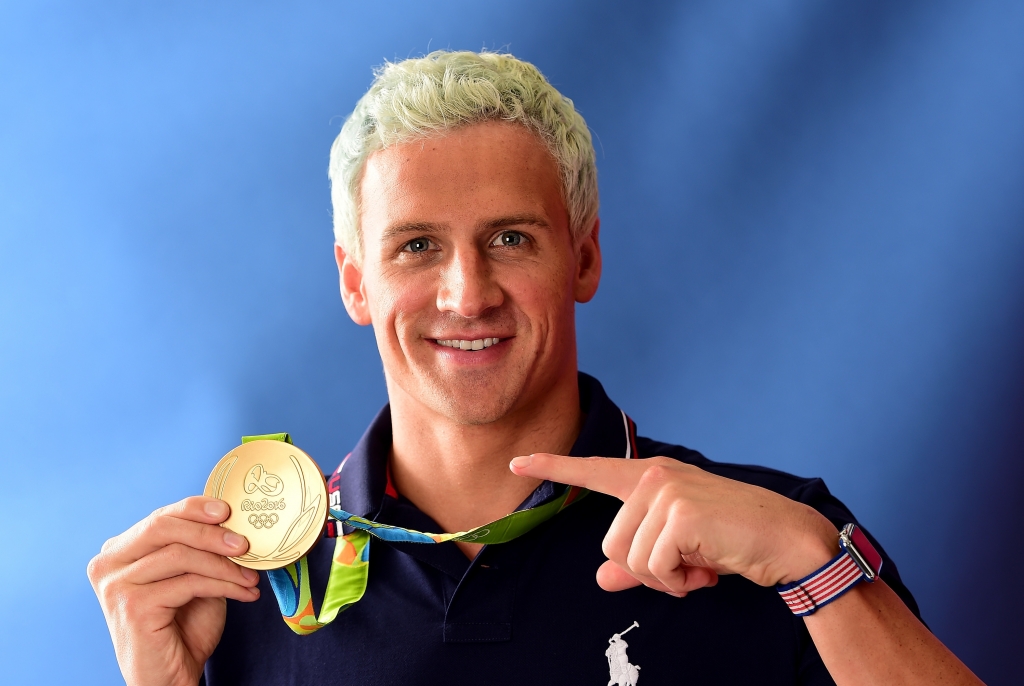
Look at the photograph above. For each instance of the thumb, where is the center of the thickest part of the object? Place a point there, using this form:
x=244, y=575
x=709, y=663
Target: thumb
x=612, y=577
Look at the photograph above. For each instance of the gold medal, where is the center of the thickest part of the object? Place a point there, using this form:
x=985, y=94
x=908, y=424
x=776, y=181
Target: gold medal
x=278, y=500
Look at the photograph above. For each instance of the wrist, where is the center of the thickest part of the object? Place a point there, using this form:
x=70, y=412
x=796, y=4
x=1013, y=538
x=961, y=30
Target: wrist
x=857, y=561
x=814, y=542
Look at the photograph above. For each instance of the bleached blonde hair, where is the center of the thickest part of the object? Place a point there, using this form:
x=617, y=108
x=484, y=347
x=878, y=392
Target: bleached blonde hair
x=428, y=96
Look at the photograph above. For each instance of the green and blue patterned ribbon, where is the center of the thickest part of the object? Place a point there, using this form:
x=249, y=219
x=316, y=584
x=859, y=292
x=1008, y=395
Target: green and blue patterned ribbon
x=350, y=564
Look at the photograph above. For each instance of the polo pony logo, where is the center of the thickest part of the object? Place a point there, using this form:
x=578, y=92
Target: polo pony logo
x=267, y=483
x=620, y=671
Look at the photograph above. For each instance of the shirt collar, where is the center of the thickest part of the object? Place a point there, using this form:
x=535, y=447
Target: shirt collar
x=606, y=432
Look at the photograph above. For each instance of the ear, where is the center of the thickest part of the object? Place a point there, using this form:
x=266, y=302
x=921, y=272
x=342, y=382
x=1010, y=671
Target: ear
x=350, y=274
x=588, y=265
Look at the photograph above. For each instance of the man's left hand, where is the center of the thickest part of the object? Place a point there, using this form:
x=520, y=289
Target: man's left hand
x=680, y=527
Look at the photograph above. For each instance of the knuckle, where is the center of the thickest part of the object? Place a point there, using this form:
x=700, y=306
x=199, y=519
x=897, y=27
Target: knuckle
x=113, y=597
x=679, y=512
x=194, y=583
x=152, y=525
x=175, y=555
x=110, y=586
x=94, y=570
x=108, y=544
x=107, y=594
x=191, y=506
x=637, y=562
x=211, y=536
x=657, y=473
x=171, y=509
x=131, y=606
x=659, y=571
x=664, y=462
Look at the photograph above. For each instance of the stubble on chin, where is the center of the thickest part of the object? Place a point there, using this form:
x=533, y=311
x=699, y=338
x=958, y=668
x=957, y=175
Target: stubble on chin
x=472, y=398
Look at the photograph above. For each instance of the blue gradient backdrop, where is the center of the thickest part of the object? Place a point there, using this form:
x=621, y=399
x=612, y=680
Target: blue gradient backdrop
x=813, y=222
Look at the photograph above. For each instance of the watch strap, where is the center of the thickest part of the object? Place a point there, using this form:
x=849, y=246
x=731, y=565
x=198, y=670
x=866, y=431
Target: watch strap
x=821, y=587
x=857, y=561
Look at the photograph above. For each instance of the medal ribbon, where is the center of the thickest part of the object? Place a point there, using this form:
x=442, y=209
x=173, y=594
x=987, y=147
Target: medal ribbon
x=350, y=563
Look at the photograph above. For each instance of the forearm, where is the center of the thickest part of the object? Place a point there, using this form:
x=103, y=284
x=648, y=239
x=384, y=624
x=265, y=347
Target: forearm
x=699, y=521
x=868, y=636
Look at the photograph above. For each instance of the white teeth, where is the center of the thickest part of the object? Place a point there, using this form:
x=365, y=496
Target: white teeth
x=475, y=344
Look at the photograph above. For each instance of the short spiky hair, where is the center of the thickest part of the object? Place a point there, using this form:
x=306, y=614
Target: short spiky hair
x=418, y=98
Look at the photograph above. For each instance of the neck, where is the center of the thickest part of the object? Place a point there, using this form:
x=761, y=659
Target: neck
x=458, y=474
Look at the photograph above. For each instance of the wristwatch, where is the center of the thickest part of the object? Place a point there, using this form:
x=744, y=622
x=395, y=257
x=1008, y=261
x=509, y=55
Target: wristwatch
x=857, y=561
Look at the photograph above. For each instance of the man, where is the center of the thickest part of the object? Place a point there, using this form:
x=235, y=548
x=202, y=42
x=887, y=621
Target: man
x=466, y=223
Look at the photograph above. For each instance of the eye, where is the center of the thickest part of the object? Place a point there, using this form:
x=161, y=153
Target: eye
x=508, y=239
x=417, y=245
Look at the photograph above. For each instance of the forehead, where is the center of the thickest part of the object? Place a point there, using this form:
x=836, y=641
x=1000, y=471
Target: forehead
x=469, y=174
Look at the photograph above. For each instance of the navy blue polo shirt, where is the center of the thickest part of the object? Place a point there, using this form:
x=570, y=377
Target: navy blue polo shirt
x=529, y=611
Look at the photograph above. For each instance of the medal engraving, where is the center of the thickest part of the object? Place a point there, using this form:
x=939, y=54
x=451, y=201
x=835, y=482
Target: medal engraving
x=263, y=521
x=278, y=500
x=263, y=505
x=259, y=478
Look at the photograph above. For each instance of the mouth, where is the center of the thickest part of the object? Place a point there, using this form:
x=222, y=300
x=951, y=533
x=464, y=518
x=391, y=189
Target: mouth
x=471, y=345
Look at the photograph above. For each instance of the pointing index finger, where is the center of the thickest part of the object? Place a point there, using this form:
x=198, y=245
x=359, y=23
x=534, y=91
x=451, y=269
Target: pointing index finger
x=612, y=476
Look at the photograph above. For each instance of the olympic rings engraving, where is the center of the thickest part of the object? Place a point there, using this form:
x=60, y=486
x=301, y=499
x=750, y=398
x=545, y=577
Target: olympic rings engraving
x=263, y=520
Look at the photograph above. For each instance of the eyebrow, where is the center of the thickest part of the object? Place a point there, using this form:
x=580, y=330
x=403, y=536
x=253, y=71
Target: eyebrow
x=407, y=228
x=517, y=220
x=411, y=228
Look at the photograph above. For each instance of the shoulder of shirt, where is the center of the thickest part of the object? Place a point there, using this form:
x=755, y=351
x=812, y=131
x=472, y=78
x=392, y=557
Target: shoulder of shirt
x=796, y=487
x=809, y=491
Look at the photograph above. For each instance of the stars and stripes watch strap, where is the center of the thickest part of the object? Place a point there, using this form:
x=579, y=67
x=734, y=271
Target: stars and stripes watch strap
x=857, y=561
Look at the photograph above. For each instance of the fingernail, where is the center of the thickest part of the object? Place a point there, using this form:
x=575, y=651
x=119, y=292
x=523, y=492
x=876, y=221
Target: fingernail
x=233, y=540
x=216, y=508
x=522, y=461
x=250, y=574
x=255, y=590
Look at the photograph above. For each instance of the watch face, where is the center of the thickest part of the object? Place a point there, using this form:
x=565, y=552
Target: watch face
x=866, y=550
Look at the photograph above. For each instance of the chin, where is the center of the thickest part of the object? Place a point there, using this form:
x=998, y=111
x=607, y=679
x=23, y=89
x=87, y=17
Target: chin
x=473, y=416
x=472, y=411
x=471, y=403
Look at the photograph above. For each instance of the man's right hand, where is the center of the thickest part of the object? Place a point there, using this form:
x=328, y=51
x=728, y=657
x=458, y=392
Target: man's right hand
x=163, y=586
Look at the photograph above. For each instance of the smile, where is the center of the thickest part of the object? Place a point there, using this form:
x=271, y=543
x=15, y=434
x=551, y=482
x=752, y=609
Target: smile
x=476, y=344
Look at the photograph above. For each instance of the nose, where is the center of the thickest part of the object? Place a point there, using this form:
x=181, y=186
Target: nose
x=467, y=286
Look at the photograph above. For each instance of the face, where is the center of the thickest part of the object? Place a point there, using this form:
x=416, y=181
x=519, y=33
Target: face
x=469, y=272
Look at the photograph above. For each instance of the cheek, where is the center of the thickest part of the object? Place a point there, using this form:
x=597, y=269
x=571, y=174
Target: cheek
x=545, y=297
x=397, y=301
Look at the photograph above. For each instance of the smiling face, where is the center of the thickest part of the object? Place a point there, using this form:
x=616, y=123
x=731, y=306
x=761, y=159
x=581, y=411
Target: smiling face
x=469, y=272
